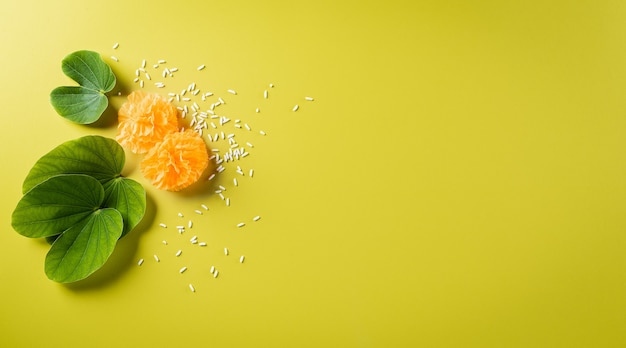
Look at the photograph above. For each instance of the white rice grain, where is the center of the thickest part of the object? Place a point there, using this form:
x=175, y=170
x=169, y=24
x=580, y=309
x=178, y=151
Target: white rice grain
x=201, y=67
x=116, y=45
x=182, y=270
x=156, y=258
x=178, y=253
x=140, y=262
x=192, y=288
x=163, y=225
x=241, y=258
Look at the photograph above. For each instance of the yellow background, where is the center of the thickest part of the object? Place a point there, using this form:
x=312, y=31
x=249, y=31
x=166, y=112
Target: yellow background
x=457, y=182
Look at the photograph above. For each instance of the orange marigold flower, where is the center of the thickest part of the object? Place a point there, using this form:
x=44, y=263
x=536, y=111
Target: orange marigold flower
x=176, y=162
x=144, y=120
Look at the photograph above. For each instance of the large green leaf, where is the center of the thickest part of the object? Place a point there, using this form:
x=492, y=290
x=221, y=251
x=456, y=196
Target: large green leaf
x=129, y=198
x=84, y=104
x=85, y=247
x=56, y=204
x=97, y=156
x=79, y=104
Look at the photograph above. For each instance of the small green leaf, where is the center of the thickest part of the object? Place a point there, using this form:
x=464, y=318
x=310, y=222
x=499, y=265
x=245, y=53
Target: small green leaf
x=79, y=104
x=129, y=198
x=84, y=104
x=89, y=70
x=56, y=204
x=85, y=247
x=99, y=157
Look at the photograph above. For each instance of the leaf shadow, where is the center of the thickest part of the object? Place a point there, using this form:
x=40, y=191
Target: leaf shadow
x=123, y=256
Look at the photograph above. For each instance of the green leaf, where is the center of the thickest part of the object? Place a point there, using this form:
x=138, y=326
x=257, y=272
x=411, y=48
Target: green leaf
x=84, y=104
x=56, y=204
x=129, y=198
x=85, y=247
x=79, y=104
x=89, y=70
x=99, y=157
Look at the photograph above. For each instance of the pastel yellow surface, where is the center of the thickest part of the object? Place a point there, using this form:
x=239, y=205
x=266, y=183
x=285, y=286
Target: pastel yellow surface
x=458, y=181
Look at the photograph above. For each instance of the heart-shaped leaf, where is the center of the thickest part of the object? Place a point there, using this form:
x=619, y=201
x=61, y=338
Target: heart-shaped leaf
x=56, y=204
x=85, y=247
x=129, y=198
x=97, y=156
x=84, y=104
x=101, y=158
x=79, y=104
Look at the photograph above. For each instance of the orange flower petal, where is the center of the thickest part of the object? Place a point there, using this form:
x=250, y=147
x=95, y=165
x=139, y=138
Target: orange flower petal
x=176, y=162
x=144, y=119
